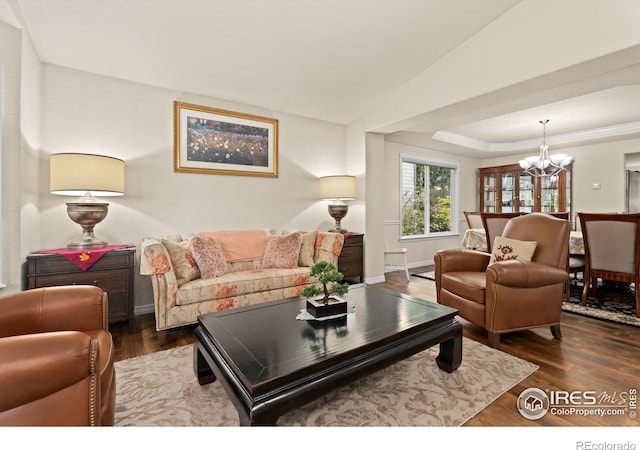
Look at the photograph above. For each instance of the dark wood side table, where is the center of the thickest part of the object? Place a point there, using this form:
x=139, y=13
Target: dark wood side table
x=351, y=259
x=113, y=273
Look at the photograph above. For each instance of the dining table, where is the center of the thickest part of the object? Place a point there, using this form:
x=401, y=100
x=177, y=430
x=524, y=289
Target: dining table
x=475, y=238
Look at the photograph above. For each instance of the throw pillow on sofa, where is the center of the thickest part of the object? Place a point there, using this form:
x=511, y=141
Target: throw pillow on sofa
x=282, y=252
x=307, y=249
x=209, y=257
x=182, y=261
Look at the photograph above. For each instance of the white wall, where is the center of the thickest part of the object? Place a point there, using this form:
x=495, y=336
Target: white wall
x=20, y=127
x=10, y=69
x=30, y=114
x=83, y=112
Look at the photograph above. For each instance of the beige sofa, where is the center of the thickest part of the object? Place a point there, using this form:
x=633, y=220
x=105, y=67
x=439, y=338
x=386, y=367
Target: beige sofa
x=250, y=275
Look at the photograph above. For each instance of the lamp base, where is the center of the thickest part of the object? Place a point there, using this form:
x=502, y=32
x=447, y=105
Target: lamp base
x=87, y=215
x=87, y=244
x=338, y=212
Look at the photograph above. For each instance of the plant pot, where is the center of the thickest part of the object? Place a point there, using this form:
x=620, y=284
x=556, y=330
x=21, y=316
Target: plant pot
x=317, y=308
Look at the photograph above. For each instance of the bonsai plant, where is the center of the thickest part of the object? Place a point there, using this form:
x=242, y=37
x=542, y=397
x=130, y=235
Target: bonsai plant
x=330, y=278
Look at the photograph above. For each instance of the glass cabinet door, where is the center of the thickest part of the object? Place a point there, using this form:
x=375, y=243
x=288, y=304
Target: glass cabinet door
x=527, y=193
x=490, y=192
x=549, y=194
x=509, y=192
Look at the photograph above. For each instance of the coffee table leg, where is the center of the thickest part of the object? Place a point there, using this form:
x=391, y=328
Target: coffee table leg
x=262, y=420
x=201, y=367
x=450, y=356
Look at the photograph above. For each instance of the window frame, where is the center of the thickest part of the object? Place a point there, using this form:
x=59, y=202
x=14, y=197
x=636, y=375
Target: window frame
x=455, y=189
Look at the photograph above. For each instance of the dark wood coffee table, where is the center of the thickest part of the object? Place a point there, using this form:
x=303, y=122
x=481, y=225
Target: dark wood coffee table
x=270, y=363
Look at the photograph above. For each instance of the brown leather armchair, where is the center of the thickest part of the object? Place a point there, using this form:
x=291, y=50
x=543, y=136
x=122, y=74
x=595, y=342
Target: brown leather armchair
x=56, y=358
x=509, y=295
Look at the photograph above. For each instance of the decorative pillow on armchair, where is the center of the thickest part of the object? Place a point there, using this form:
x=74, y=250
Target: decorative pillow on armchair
x=185, y=268
x=208, y=254
x=505, y=248
x=282, y=251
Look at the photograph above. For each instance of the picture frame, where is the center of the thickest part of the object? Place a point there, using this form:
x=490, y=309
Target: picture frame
x=216, y=141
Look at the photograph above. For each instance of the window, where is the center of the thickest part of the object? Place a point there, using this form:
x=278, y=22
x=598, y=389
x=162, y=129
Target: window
x=427, y=197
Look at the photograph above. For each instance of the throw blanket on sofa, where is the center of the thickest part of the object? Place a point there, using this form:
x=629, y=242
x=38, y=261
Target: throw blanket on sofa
x=242, y=245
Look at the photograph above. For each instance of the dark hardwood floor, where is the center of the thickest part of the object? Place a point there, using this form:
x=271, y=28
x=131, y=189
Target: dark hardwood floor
x=594, y=355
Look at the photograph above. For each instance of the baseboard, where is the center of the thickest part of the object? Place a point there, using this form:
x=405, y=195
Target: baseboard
x=421, y=264
x=143, y=309
x=374, y=280
x=412, y=265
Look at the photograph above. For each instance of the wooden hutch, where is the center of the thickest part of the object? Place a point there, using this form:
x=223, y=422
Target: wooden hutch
x=510, y=189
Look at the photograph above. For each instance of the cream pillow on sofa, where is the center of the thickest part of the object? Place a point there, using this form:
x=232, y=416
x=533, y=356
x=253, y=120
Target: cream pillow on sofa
x=182, y=261
x=505, y=249
x=307, y=249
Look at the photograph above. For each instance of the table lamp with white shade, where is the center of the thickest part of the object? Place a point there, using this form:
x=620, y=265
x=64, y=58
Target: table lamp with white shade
x=338, y=188
x=86, y=176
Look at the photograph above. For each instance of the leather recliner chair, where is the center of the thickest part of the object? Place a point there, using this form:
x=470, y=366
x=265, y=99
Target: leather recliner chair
x=56, y=358
x=509, y=295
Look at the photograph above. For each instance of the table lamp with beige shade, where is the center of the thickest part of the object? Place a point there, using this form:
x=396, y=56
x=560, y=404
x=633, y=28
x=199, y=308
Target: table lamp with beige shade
x=88, y=177
x=338, y=188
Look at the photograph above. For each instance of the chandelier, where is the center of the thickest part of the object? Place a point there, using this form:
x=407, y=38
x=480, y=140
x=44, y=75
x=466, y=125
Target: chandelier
x=544, y=165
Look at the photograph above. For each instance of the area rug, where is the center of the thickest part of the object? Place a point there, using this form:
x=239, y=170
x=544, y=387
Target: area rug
x=161, y=389
x=426, y=275
x=614, y=305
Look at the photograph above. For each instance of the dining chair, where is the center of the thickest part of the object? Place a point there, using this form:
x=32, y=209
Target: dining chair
x=494, y=223
x=576, y=263
x=560, y=215
x=612, y=251
x=474, y=219
x=401, y=252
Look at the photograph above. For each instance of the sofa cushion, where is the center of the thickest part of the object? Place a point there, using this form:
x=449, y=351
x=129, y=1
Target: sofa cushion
x=209, y=257
x=282, y=252
x=504, y=248
x=307, y=249
x=184, y=266
x=241, y=283
x=239, y=266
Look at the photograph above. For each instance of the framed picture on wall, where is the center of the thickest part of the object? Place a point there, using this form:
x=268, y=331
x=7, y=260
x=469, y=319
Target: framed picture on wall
x=215, y=141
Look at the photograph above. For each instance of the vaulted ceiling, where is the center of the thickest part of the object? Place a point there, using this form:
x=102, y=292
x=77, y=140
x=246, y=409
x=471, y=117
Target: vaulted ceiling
x=332, y=60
